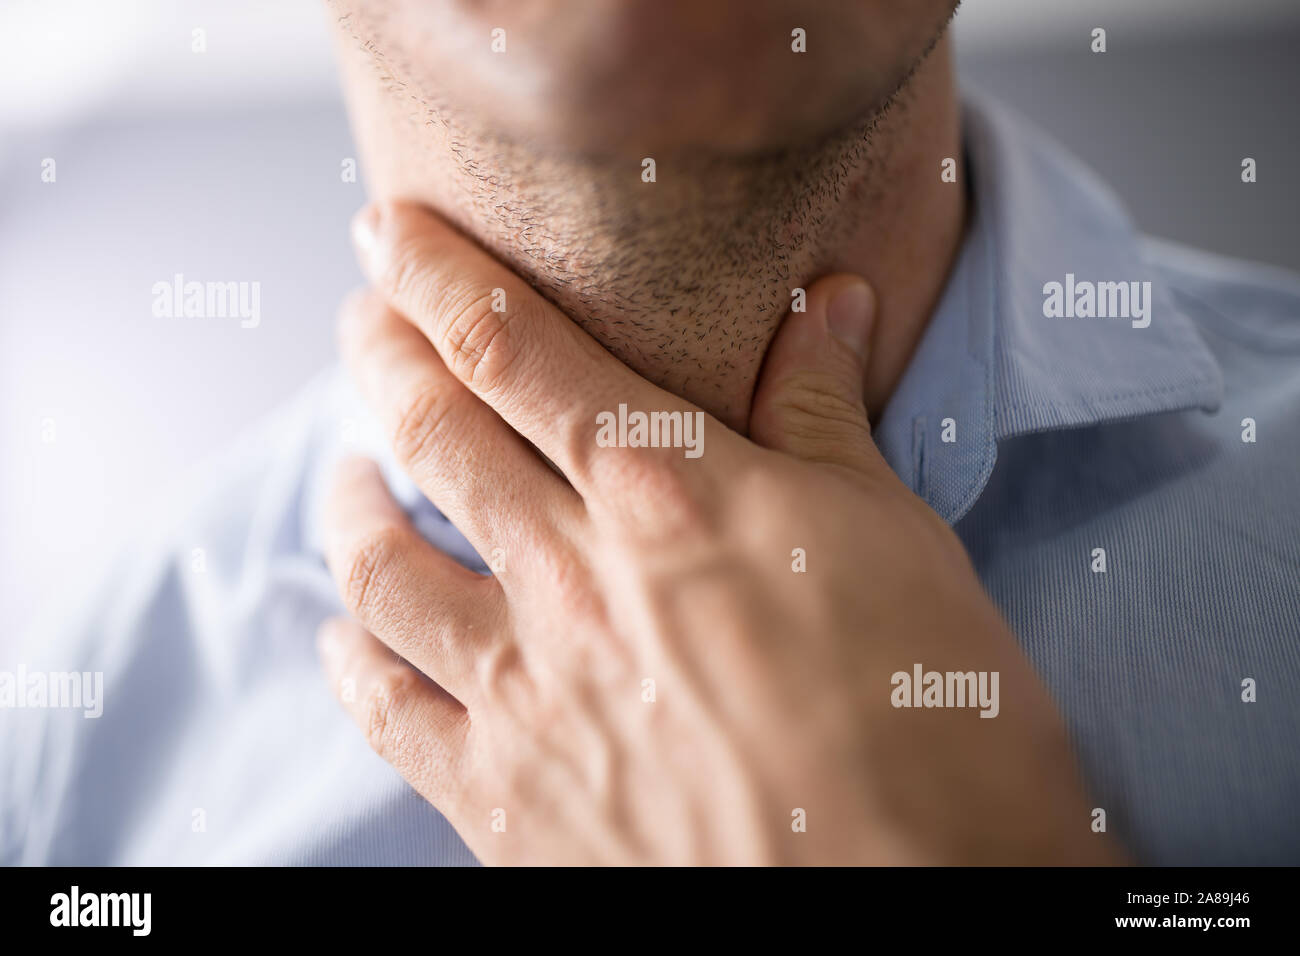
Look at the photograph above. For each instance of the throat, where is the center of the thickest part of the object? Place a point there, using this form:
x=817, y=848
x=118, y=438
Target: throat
x=685, y=274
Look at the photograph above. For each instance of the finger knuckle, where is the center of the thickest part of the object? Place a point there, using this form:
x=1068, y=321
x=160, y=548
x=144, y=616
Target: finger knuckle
x=388, y=700
x=662, y=499
x=496, y=668
x=674, y=496
x=481, y=344
x=422, y=424
x=368, y=567
x=811, y=409
x=571, y=577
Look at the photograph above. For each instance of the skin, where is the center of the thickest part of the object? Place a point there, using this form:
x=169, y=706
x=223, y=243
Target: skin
x=520, y=698
x=773, y=168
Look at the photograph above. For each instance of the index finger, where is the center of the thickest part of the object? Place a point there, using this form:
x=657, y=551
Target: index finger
x=541, y=373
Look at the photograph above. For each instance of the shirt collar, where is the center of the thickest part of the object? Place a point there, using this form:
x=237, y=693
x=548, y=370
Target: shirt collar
x=991, y=365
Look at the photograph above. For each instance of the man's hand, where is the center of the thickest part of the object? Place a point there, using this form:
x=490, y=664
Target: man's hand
x=679, y=659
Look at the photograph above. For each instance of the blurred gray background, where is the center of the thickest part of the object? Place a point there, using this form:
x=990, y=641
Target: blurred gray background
x=226, y=165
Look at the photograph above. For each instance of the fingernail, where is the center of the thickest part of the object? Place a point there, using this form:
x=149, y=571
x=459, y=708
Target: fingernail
x=850, y=314
x=365, y=237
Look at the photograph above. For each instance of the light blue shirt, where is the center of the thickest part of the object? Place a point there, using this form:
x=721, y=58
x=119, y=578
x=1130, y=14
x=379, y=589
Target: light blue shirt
x=1056, y=446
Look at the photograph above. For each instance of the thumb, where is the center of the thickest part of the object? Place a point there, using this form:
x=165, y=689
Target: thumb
x=809, y=399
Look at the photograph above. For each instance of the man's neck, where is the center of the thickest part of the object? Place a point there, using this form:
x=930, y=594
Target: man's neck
x=687, y=277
